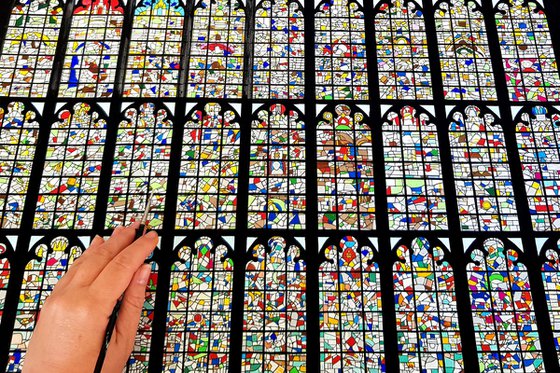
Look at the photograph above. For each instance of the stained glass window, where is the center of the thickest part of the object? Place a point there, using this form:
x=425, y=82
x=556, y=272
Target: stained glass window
x=19, y=134
x=277, y=169
x=209, y=169
x=551, y=281
x=482, y=175
x=345, y=170
x=340, y=50
x=52, y=260
x=415, y=194
x=528, y=55
x=199, y=309
x=464, y=51
x=502, y=307
x=4, y=276
x=350, y=309
x=278, y=55
x=402, y=51
x=426, y=310
x=539, y=151
x=274, y=326
x=140, y=166
x=154, y=56
x=70, y=179
x=91, y=60
x=139, y=359
x=30, y=47
x=216, y=55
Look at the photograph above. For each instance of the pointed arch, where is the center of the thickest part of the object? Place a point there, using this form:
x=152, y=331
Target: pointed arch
x=346, y=186
x=415, y=195
x=350, y=307
x=402, y=45
x=154, y=56
x=538, y=134
x=340, y=50
x=483, y=178
x=19, y=134
x=277, y=183
x=464, y=51
x=70, y=181
x=6, y=258
x=29, y=48
x=198, y=328
x=278, y=50
x=51, y=260
x=208, y=178
x=550, y=256
x=90, y=63
x=274, y=326
x=140, y=165
x=217, y=49
x=528, y=56
x=426, y=308
x=504, y=319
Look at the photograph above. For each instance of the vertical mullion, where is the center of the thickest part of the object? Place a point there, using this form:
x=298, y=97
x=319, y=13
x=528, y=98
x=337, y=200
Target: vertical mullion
x=248, y=55
x=61, y=47
x=385, y=256
x=457, y=259
x=530, y=253
x=186, y=48
x=311, y=231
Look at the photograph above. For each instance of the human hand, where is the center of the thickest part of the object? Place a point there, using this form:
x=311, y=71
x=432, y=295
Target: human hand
x=72, y=323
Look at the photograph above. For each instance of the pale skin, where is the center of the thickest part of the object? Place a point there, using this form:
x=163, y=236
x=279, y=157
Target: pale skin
x=72, y=323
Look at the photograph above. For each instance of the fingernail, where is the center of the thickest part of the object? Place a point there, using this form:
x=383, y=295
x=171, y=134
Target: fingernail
x=117, y=230
x=135, y=225
x=152, y=234
x=144, y=274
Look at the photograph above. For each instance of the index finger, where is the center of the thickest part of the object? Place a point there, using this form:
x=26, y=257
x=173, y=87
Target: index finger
x=116, y=276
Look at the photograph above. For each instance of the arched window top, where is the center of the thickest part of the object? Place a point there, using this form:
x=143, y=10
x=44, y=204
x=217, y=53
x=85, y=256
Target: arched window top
x=80, y=116
x=277, y=255
x=213, y=115
x=496, y=255
x=18, y=115
x=538, y=119
x=347, y=255
x=278, y=116
x=343, y=117
x=159, y=8
x=522, y=6
x=340, y=8
x=205, y=254
x=399, y=8
x=472, y=119
x=100, y=7
x=56, y=254
x=409, y=118
x=421, y=256
x=147, y=115
x=551, y=258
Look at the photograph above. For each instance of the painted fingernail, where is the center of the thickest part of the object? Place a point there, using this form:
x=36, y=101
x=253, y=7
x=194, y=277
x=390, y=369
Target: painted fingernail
x=152, y=234
x=117, y=230
x=144, y=274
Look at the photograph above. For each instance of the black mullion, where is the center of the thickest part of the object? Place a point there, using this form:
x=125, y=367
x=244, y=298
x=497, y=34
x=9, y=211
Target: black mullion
x=240, y=255
x=385, y=257
x=248, y=44
x=168, y=233
x=61, y=47
x=552, y=10
x=466, y=326
x=185, y=48
x=530, y=251
x=311, y=231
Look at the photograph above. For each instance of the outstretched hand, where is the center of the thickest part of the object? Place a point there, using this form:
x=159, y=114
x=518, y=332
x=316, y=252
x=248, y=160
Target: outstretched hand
x=72, y=323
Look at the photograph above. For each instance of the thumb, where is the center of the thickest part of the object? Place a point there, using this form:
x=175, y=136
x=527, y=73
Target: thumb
x=122, y=340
